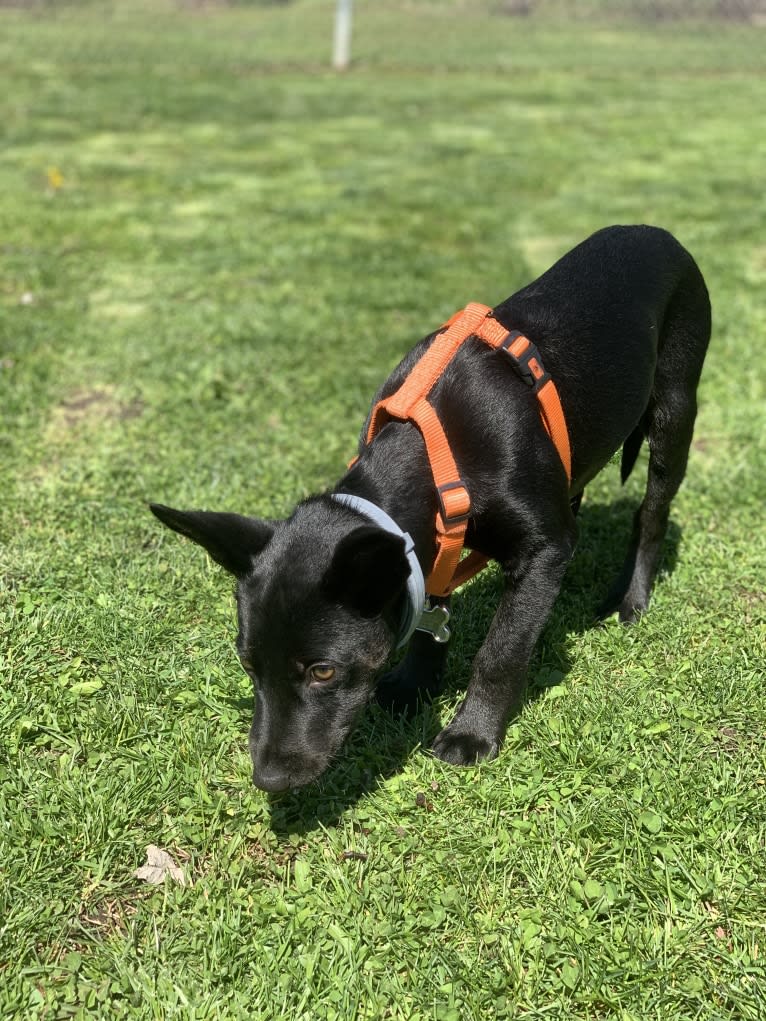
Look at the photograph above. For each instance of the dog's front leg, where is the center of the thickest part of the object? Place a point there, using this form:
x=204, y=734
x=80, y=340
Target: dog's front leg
x=418, y=676
x=498, y=679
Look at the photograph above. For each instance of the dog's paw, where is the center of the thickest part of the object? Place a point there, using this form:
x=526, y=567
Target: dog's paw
x=462, y=748
x=628, y=611
x=628, y=600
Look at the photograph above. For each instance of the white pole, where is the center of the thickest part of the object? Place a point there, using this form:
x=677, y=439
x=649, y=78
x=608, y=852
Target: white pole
x=341, y=50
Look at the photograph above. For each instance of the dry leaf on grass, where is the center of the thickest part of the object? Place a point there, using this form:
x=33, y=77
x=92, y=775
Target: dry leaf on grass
x=158, y=865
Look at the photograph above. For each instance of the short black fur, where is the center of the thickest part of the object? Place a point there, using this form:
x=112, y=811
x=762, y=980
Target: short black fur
x=622, y=323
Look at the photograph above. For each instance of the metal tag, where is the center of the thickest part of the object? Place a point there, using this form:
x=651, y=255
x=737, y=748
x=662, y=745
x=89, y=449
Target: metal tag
x=434, y=620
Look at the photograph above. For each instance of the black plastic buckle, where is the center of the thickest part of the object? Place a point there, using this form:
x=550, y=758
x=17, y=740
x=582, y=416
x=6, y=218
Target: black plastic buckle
x=529, y=364
x=454, y=519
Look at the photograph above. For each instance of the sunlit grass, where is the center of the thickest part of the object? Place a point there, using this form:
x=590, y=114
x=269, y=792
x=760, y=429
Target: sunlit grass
x=213, y=250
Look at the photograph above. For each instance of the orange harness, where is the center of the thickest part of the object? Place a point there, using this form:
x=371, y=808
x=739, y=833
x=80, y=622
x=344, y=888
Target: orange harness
x=410, y=404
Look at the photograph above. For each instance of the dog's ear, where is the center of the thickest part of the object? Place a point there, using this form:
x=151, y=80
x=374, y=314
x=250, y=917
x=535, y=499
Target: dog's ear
x=369, y=570
x=232, y=540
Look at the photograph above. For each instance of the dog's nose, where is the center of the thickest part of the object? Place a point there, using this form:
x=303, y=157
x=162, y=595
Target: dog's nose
x=271, y=778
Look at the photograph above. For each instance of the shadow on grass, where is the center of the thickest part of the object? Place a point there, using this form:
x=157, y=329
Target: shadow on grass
x=382, y=744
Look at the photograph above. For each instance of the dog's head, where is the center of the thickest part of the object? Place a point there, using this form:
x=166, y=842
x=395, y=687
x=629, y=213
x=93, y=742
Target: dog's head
x=318, y=598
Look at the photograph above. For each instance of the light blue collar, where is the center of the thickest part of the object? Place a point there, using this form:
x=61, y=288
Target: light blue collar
x=415, y=605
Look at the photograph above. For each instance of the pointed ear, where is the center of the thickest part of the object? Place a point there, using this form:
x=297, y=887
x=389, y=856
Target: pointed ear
x=369, y=569
x=232, y=540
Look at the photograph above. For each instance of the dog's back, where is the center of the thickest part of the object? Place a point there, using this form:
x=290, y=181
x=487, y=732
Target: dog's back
x=624, y=302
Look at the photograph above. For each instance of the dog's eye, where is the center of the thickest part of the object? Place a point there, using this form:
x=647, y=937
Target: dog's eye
x=321, y=672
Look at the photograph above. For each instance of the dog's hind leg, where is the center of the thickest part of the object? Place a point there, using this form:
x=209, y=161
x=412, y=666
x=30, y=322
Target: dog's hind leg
x=668, y=424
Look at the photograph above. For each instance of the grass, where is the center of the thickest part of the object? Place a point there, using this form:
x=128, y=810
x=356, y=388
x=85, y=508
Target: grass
x=213, y=250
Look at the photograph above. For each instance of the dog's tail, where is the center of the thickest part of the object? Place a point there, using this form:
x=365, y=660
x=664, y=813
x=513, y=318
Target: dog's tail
x=630, y=449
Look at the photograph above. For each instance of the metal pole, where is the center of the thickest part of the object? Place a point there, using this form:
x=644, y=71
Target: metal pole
x=341, y=50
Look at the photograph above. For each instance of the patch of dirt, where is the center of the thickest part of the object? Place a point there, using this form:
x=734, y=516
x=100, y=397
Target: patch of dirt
x=91, y=407
x=273, y=861
x=106, y=917
x=729, y=740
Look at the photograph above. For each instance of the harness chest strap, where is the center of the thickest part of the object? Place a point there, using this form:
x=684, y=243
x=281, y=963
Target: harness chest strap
x=410, y=403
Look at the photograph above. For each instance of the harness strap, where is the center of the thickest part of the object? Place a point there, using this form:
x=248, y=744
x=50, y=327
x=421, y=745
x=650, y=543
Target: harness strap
x=529, y=365
x=428, y=369
x=410, y=403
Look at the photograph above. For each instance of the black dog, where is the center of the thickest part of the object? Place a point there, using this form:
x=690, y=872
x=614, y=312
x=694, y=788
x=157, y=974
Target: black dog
x=622, y=323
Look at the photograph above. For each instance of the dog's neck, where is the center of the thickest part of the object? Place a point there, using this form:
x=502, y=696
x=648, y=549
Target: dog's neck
x=393, y=473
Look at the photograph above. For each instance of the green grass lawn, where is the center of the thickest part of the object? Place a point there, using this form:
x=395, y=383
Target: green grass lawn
x=212, y=250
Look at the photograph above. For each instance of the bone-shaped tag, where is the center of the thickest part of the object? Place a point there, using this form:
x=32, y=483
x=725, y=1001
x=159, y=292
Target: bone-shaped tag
x=434, y=620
